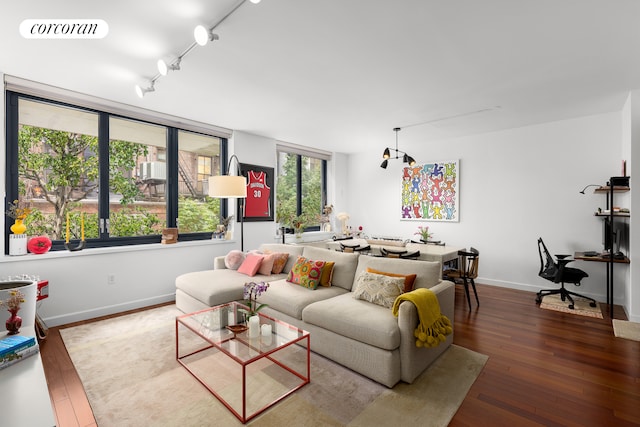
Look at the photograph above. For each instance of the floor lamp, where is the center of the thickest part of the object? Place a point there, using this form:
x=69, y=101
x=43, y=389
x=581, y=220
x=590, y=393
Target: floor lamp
x=231, y=187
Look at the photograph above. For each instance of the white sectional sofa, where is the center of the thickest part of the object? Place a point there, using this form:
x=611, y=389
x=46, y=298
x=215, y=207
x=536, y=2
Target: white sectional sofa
x=360, y=335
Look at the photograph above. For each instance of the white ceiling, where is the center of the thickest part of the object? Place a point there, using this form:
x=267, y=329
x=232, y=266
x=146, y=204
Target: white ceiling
x=341, y=74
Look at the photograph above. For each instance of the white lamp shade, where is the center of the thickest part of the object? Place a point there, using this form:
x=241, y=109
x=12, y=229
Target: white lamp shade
x=226, y=186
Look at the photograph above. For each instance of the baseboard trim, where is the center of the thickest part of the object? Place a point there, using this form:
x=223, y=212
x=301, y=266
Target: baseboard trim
x=107, y=310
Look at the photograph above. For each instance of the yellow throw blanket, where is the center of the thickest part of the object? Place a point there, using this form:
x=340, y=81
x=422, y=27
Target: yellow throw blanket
x=434, y=326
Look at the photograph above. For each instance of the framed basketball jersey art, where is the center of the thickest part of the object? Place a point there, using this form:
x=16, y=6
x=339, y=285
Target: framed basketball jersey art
x=258, y=206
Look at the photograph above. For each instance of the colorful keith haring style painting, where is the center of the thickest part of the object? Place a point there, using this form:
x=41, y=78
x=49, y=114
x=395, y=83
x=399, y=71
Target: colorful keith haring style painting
x=430, y=192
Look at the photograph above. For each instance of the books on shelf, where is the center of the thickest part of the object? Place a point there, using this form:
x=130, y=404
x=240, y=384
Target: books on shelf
x=11, y=358
x=15, y=343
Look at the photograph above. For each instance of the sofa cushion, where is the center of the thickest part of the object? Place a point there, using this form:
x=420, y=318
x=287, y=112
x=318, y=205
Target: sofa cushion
x=215, y=287
x=427, y=272
x=291, y=299
x=378, y=288
x=266, y=266
x=327, y=273
x=251, y=264
x=234, y=259
x=408, y=278
x=293, y=251
x=356, y=319
x=279, y=262
x=306, y=272
x=345, y=268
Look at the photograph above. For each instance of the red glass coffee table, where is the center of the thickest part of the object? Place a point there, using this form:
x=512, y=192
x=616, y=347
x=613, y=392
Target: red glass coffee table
x=246, y=374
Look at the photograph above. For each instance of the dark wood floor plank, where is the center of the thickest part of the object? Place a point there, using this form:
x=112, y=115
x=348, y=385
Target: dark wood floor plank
x=545, y=368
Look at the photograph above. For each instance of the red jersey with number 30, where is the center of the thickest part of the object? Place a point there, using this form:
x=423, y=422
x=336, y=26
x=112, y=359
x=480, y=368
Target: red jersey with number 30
x=258, y=196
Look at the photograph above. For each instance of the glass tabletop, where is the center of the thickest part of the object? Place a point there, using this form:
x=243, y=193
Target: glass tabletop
x=213, y=325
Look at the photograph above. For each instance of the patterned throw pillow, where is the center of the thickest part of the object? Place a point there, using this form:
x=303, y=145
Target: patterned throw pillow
x=408, y=278
x=306, y=272
x=378, y=288
x=279, y=262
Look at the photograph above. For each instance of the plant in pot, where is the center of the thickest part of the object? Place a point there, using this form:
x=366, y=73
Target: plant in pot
x=18, y=211
x=224, y=227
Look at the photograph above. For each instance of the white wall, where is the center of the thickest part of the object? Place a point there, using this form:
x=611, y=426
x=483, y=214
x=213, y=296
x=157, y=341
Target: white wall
x=515, y=186
x=631, y=148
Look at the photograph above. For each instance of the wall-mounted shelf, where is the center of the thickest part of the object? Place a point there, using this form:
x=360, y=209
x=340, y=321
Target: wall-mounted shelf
x=618, y=214
x=607, y=189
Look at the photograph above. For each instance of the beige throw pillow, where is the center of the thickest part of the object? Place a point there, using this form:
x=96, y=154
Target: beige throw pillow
x=378, y=288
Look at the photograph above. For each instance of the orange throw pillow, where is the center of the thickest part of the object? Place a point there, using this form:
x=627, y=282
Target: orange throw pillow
x=327, y=274
x=409, y=279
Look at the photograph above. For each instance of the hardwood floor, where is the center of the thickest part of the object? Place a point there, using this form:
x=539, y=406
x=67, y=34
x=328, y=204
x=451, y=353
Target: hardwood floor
x=544, y=368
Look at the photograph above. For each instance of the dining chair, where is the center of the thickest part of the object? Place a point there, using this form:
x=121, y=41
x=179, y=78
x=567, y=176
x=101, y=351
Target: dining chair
x=466, y=272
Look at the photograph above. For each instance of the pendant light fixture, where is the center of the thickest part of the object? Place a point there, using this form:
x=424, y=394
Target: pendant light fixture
x=386, y=155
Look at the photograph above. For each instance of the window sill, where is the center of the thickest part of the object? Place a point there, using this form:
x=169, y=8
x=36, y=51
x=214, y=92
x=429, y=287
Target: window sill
x=310, y=236
x=111, y=250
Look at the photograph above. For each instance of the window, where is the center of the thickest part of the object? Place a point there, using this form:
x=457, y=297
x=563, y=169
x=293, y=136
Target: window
x=61, y=156
x=301, y=189
x=198, y=159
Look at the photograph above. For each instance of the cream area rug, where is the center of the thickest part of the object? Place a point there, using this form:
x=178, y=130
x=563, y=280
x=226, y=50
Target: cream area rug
x=129, y=372
x=626, y=329
x=581, y=306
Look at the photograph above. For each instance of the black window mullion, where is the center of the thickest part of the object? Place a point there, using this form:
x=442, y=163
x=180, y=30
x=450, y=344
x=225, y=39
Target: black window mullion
x=224, y=158
x=299, y=184
x=103, y=194
x=11, y=134
x=172, y=177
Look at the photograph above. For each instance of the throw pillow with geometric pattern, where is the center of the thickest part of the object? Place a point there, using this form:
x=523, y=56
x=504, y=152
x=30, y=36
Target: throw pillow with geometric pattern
x=378, y=288
x=306, y=272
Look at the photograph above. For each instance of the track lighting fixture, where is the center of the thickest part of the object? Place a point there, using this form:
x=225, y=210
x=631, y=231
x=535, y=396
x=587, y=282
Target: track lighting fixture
x=163, y=67
x=140, y=91
x=202, y=36
x=387, y=154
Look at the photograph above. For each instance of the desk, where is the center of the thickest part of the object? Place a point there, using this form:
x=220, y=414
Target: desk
x=610, y=262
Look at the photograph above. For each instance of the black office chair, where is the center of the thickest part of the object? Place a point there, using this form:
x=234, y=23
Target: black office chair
x=558, y=272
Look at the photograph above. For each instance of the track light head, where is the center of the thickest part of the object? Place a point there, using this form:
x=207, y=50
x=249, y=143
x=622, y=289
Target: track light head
x=140, y=91
x=164, y=67
x=384, y=164
x=410, y=160
x=386, y=153
x=203, y=35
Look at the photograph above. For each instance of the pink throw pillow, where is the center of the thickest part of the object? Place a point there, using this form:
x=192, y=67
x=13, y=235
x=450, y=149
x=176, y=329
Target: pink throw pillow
x=251, y=264
x=267, y=264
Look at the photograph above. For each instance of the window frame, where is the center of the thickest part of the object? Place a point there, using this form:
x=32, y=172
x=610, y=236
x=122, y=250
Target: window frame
x=12, y=98
x=299, y=153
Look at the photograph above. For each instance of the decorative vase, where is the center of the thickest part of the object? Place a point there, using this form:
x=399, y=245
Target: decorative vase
x=18, y=244
x=14, y=322
x=18, y=227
